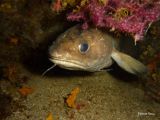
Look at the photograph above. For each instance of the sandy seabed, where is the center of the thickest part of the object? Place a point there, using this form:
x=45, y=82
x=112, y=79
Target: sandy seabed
x=101, y=97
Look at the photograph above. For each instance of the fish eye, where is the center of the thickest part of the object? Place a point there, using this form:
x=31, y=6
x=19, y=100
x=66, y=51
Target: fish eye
x=83, y=47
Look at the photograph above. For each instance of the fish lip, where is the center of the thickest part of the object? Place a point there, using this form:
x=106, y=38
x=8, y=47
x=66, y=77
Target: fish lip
x=70, y=64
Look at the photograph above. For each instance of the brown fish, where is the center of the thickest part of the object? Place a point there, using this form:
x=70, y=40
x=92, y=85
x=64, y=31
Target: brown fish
x=90, y=50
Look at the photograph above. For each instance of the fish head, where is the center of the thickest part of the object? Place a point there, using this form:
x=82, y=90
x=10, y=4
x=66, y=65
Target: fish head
x=78, y=49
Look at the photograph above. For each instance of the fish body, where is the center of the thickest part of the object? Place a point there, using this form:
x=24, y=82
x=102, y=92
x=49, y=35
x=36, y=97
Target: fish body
x=90, y=50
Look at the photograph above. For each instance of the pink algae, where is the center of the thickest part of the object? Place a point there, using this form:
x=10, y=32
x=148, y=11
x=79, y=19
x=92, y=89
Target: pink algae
x=131, y=16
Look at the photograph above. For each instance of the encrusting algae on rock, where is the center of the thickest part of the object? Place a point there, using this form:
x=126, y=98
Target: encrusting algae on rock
x=24, y=91
x=72, y=97
x=49, y=117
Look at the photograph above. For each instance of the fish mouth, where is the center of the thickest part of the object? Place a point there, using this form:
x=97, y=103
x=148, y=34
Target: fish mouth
x=69, y=64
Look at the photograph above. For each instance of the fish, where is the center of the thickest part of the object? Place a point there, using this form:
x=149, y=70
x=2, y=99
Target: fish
x=91, y=50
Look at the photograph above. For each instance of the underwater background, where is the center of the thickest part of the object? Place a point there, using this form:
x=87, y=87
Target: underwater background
x=28, y=28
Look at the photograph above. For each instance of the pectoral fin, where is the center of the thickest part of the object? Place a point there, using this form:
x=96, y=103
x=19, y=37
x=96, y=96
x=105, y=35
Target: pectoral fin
x=128, y=63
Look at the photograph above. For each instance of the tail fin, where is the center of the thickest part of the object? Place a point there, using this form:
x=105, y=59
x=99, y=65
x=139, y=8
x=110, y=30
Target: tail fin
x=128, y=63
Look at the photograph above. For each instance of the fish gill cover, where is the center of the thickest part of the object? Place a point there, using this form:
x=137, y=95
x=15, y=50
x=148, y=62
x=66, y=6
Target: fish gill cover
x=130, y=16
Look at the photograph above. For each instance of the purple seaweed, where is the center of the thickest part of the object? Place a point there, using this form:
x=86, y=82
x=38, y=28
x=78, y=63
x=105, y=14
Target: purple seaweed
x=141, y=15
